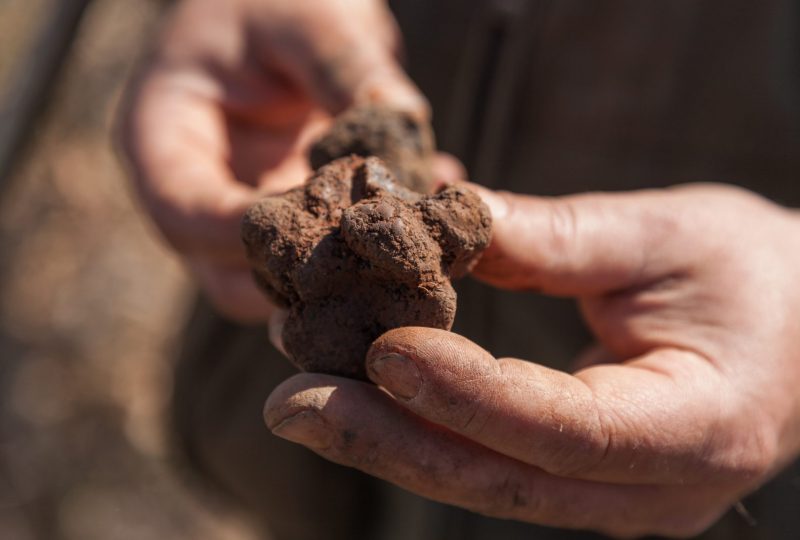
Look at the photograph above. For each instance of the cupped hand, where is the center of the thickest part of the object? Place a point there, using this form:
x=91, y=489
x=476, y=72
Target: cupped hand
x=227, y=103
x=688, y=402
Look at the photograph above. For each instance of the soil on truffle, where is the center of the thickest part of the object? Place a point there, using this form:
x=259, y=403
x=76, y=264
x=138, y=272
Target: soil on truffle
x=404, y=143
x=352, y=254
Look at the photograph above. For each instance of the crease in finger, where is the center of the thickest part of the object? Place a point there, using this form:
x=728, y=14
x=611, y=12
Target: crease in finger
x=626, y=424
x=371, y=432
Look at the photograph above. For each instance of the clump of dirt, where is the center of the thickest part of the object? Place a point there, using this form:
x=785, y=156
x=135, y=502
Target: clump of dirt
x=352, y=254
x=399, y=139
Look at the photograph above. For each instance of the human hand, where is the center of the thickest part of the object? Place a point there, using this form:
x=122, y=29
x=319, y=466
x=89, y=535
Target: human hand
x=225, y=107
x=688, y=403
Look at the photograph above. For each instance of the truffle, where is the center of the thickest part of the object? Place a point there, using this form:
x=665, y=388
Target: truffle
x=404, y=143
x=352, y=254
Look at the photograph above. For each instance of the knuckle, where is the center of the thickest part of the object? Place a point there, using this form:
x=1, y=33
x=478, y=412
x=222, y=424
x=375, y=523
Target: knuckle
x=476, y=415
x=464, y=400
x=597, y=439
x=468, y=412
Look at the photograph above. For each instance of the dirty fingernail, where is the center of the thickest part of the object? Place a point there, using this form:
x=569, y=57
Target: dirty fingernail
x=306, y=428
x=397, y=374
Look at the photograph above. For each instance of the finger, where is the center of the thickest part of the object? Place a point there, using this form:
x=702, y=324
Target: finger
x=447, y=169
x=583, y=244
x=357, y=425
x=174, y=139
x=233, y=292
x=340, y=64
x=660, y=419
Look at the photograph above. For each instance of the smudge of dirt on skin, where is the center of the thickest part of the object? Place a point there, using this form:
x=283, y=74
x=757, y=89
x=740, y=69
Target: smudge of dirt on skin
x=348, y=438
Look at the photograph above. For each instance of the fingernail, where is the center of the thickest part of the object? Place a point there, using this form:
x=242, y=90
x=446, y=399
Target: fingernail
x=305, y=427
x=397, y=374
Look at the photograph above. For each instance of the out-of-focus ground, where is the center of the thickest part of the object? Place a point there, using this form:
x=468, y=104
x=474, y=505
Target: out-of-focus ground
x=91, y=307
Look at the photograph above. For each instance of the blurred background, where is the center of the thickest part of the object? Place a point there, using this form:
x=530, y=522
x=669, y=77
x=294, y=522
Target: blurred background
x=91, y=302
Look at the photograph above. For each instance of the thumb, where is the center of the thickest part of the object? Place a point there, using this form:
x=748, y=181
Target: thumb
x=344, y=57
x=582, y=244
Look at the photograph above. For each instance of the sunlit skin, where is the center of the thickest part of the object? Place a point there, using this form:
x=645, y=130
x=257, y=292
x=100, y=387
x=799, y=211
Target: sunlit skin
x=687, y=402
x=224, y=108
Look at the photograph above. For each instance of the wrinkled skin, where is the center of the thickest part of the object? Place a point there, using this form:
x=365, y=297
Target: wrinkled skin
x=691, y=293
x=688, y=402
x=352, y=254
x=224, y=110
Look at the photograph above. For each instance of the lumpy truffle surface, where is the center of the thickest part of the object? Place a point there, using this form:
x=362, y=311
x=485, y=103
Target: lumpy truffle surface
x=404, y=143
x=352, y=254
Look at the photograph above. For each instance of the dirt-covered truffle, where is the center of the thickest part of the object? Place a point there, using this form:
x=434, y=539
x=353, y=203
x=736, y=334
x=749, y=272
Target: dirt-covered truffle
x=404, y=143
x=352, y=254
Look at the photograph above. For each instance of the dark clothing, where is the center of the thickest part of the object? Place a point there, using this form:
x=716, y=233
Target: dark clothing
x=535, y=97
